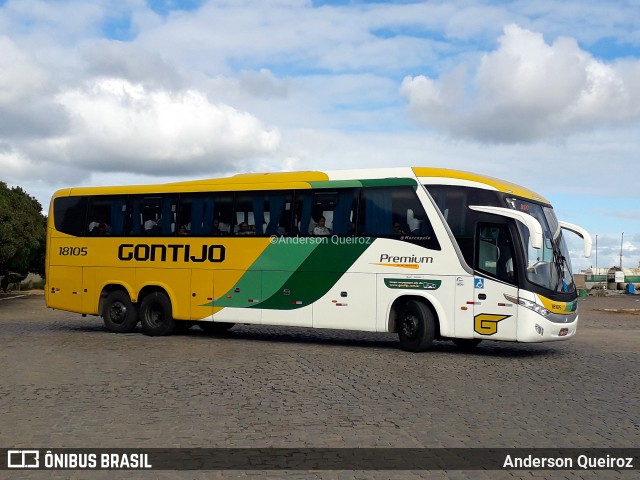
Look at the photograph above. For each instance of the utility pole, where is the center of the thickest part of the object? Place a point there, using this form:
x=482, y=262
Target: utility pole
x=621, y=240
x=597, y=257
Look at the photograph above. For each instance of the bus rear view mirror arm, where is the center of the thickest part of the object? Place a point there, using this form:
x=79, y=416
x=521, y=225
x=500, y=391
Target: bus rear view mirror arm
x=534, y=227
x=581, y=232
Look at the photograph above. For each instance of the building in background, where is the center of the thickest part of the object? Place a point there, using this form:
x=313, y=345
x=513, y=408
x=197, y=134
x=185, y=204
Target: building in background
x=612, y=278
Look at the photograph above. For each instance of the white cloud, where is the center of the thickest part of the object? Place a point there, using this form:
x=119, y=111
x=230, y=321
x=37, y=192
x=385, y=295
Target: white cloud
x=528, y=90
x=121, y=126
x=19, y=75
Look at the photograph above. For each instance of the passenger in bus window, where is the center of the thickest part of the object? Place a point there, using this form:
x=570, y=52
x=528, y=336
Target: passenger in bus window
x=215, y=229
x=399, y=229
x=183, y=230
x=245, y=229
x=149, y=224
x=320, y=229
x=99, y=229
x=156, y=229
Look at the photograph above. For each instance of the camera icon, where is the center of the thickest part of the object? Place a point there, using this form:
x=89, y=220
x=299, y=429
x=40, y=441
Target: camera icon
x=23, y=458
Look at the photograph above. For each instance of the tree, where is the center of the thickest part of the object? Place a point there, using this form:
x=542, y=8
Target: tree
x=22, y=234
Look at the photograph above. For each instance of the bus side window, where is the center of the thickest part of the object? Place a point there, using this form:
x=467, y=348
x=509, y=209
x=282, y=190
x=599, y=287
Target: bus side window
x=206, y=214
x=376, y=212
x=278, y=217
x=302, y=213
x=152, y=215
x=264, y=213
x=244, y=221
x=395, y=212
x=69, y=215
x=337, y=207
x=106, y=215
x=495, y=251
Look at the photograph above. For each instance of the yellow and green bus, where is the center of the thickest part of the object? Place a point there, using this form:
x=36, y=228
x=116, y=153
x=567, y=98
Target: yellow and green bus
x=429, y=253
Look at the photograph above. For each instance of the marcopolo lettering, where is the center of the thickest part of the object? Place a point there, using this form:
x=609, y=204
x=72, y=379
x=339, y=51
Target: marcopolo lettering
x=143, y=252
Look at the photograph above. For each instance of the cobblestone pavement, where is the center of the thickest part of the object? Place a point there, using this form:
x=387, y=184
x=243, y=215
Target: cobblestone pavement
x=67, y=382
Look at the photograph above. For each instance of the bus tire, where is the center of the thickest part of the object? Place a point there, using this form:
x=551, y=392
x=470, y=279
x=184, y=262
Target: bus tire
x=214, y=328
x=466, y=343
x=156, y=315
x=118, y=313
x=416, y=326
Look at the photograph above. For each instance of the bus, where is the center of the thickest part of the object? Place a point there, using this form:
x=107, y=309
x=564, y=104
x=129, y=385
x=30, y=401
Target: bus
x=427, y=253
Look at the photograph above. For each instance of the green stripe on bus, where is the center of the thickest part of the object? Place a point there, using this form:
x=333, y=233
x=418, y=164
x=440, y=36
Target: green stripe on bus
x=315, y=277
x=389, y=182
x=278, y=260
x=372, y=182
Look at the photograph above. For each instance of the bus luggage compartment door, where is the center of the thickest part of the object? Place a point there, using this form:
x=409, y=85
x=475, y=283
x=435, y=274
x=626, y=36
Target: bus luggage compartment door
x=350, y=304
x=201, y=294
x=65, y=288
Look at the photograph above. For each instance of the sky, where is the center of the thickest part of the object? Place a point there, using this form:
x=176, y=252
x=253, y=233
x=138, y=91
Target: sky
x=544, y=94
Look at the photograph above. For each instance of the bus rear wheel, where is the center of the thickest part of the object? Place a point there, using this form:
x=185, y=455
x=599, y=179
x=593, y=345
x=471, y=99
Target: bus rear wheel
x=416, y=326
x=156, y=315
x=118, y=313
x=214, y=328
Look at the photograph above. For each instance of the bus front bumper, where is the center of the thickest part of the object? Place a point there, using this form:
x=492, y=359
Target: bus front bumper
x=533, y=327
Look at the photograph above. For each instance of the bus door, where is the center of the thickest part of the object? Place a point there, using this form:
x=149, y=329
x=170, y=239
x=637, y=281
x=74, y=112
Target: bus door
x=495, y=317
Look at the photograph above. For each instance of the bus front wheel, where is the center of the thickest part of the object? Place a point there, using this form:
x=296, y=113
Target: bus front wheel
x=416, y=326
x=156, y=315
x=118, y=313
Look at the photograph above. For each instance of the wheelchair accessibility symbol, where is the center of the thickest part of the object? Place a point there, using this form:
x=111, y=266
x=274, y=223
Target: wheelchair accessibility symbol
x=478, y=283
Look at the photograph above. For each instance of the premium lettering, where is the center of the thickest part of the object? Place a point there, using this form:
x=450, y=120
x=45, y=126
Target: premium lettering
x=385, y=258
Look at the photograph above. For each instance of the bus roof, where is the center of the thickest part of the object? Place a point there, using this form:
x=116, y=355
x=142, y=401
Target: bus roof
x=458, y=177
x=318, y=179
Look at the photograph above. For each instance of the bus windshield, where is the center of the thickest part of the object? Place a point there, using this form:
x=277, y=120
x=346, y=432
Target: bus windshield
x=550, y=266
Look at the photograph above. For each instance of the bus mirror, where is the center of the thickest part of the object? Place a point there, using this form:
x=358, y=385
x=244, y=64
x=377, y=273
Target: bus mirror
x=534, y=227
x=581, y=232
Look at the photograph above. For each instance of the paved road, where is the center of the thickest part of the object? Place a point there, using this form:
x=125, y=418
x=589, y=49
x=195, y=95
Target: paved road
x=67, y=382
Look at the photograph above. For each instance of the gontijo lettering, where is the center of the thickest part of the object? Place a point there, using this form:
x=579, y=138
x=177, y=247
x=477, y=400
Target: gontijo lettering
x=172, y=252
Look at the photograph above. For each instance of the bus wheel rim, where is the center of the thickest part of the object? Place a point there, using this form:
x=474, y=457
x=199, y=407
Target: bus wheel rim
x=118, y=312
x=409, y=326
x=156, y=316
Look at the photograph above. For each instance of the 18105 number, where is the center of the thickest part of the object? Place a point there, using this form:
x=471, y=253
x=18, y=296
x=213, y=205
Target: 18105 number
x=73, y=251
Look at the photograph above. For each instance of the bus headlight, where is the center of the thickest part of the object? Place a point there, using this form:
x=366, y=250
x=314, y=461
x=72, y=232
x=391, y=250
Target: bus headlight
x=539, y=309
